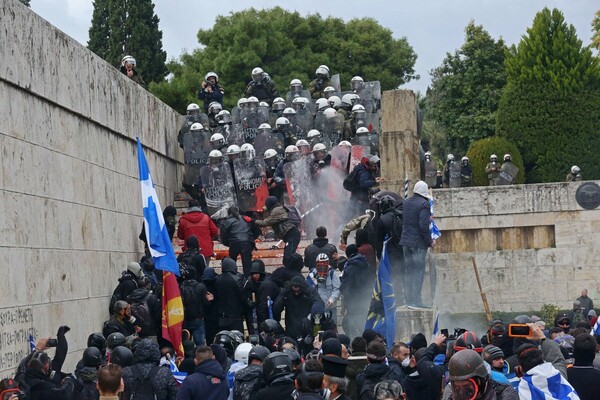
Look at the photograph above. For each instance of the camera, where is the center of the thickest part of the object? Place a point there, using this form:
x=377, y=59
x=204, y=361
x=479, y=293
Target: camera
x=519, y=330
x=52, y=343
x=455, y=335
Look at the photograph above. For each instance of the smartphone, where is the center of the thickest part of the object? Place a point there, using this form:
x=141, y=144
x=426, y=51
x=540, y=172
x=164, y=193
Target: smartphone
x=444, y=332
x=519, y=330
x=52, y=343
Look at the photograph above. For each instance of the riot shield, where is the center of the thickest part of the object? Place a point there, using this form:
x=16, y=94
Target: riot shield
x=362, y=140
x=357, y=153
x=335, y=82
x=196, y=146
x=299, y=184
x=219, y=189
x=290, y=96
x=455, y=178
x=333, y=130
x=304, y=120
x=370, y=96
x=430, y=173
x=252, y=188
x=508, y=174
x=340, y=159
x=274, y=141
x=236, y=117
x=233, y=134
x=263, y=115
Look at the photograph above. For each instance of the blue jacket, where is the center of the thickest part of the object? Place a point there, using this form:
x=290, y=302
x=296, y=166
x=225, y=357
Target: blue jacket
x=207, y=383
x=366, y=181
x=415, y=222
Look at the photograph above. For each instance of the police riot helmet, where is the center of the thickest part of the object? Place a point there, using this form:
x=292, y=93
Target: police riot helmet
x=258, y=352
x=193, y=109
x=575, y=169
x=115, y=339
x=465, y=158
x=296, y=85
x=303, y=146
x=428, y=154
x=322, y=72
x=299, y=103
x=281, y=121
x=357, y=82
x=92, y=357
x=301, y=142
x=278, y=104
x=292, y=152
x=289, y=112
x=121, y=356
x=128, y=60
x=257, y=74
x=264, y=128
x=242, y=102
x=349, y=99
x=213, y=74
x=275, y=365
x=493, y=158
x=215, y=154
x=345, y=143
x=319, y=147
x=330, y=113
x=362, y=131
x=321, y=104
x=247, y=150
x=214, y=107
x=233, y=150
x=313, y=133
x=196, y=127
x=334, y=101
x=217, y=140
x=507, y=157
x=223, y=117
x=97, y=340
x=269, y=153
x=271, y=327
x=328, y=92
x=450, y=157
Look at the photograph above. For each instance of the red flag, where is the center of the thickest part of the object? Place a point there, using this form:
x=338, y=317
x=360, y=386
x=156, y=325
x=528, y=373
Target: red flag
x=172, y=312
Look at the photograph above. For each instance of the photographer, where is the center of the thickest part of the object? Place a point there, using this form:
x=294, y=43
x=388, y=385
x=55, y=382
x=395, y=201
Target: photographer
x=210, y=90
x=40, y=377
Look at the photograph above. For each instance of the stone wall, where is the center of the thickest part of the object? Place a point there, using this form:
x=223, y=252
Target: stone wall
x=533, y=244
x=70, y=207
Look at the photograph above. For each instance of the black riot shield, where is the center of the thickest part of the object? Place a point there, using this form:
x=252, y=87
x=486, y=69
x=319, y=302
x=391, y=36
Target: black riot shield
x=508, y=174
x=196, y=146
x=252, y=189
x=219, y=190
x=430, y=173
x=455, y=178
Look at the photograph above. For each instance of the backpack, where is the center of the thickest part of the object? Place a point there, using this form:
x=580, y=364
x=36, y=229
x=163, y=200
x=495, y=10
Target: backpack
x=188, y=297
x=143, y=389
x=118, y=293
x=351, y=181
x=397, y=226
x=141, y=312
x=294, y=216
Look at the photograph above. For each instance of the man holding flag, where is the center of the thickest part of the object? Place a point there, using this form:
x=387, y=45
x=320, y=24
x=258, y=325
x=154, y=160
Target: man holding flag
x=161, y=249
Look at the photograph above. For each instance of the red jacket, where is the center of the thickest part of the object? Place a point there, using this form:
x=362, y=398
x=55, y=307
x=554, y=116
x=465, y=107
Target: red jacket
x=196, y=223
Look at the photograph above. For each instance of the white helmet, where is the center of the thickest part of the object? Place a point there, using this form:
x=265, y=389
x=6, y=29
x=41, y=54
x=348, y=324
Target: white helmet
x=215, y=154
x=247, y=150
x=575, y=169
x=328, y=91
x=264, y=125
x=269, y=153
x=493, y=157
x=211, y=73
x=334, y=101
x=357, y=82
x=465, y=158
x=322, y=104
x=291, y=149
x=330, y=113
x=450, y=157
x=233, y=150
x=313, y=133
x=223, y=117
x=282, y=121
x=323, y=258
x=349, y=99
x=278, y=104
x=362, y=131
x=217, y=140
x=241, y=102
x=295, y=85
x=507, y=157
x=192, y=107
x=345, y=143
x=428, y=153
x=322, y=70
x=196, y=127
x=319, y=147
x=302, y=142
x=289, y=111
x=127, y=60
x=299, y=103
x=257, y=74
x=263, y=104
x=214, y=107
x=252, y=99
x=242, y=351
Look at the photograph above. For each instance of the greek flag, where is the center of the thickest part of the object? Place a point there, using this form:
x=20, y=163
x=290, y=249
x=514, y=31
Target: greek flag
x=544, y=382
x=436, y=326
x=382, y=312
x=596, y=328
x=179, y=376
x=159, y=242
x=433, y=229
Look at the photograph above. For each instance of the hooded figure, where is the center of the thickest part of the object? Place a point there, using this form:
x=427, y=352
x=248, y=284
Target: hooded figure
x=297, y=300
x=146, y=358
x=229, y=297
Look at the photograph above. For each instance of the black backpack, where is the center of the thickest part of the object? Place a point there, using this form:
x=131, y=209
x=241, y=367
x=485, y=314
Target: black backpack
x=294, y=216
x=397, y=226
x=141, y=311
x=143, y=389
x=351, y=180
x=188, y=297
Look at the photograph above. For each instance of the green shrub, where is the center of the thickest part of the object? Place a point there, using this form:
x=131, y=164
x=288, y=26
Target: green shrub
x=479, y=155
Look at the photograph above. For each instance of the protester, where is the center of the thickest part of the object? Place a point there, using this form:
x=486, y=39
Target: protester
x=196, y=223
x=208, y=382
x=278, y=218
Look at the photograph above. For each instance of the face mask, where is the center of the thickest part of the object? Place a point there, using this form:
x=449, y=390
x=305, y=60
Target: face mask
x=406, y=362
x=322, y=269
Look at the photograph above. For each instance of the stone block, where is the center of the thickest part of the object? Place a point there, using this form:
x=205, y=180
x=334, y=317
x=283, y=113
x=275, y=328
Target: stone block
x=413, y=321
x=557, y=256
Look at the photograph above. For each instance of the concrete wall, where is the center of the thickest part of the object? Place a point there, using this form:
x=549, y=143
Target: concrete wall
x=533, y=244
x=70, y=207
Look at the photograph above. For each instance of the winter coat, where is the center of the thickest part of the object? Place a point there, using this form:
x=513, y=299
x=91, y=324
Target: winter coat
x=366, y=181
x=40, y=386
x=235, y=230
x=368, y=251
x=193, y=295
x=356, y=365
x=280, y=389
x=385, y=227
x=195, y=259
x=267, y=288
x=354, y=224
x=296, y=307
x=264, y=90
x=115, y=325
x=371, y=376
x=215, y=95
x=316, y=87
x=418, y=388
x=330, y=289
x=87, y=377
x=278, y=219
x=585, y=380
x=207, y=383
x=127, y=284
x=246, y=382
x=155, y=307
x=415, y=222
x=357, y=281
x=196, y=223
x=318, y=246
x=229, y=291
x=431, y=373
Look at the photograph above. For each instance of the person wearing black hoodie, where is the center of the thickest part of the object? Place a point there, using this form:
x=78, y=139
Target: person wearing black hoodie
x=229, y=297
x=208, y=382
x=277, y=373
x=196, y=299
x=375, y=372
x=255, y=297
x=319, y=245
x=238, y=233
x=418, y=388
x=146, y=357
x=356, y=289
x=431, y=373
x=143, y=295
x=297, y=300
x=211, y=312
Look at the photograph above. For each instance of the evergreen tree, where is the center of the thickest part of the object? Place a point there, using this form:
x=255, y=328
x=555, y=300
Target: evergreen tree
x=550, y=107
x=466, y=89
x=596, y=30
x=121, y=27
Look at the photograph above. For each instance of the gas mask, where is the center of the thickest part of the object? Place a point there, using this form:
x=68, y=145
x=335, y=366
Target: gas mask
x=322, y=269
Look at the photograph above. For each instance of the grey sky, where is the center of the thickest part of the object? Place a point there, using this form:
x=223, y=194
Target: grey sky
x=433, y=27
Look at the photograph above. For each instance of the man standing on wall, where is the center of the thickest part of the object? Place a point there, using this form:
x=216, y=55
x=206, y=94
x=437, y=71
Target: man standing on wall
x=415, y=240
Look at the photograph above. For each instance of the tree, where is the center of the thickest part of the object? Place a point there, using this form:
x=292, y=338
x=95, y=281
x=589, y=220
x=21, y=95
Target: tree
x=466, y=89
x=287, y=45
x=550, y=108
x=479, y=155
x=596, y=30
x=121, y=27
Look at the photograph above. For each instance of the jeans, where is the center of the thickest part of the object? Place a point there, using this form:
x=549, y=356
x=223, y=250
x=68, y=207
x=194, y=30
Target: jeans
x=414, y=259
x=245, y=250
x=196, y=328
x=292, y=240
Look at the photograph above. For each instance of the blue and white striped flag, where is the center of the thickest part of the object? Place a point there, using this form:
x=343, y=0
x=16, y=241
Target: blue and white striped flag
x=433, y=229
x=157, y=234
x=436, y=326
x=179, y=376
x=31, y=343
x=544, y=382
x=596, y=328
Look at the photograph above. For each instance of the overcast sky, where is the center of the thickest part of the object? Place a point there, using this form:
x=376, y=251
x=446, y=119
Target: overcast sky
x=433, y=27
